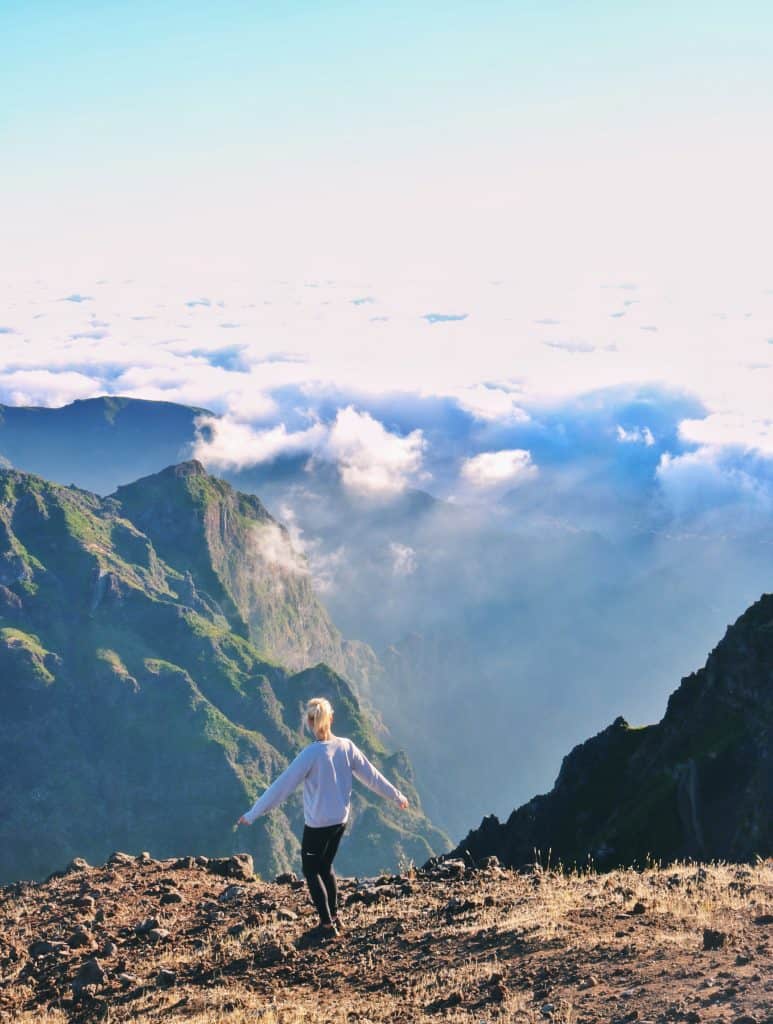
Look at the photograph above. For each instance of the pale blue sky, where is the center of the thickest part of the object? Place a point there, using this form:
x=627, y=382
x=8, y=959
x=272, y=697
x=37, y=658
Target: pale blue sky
x=110, y=76
x=124, y=119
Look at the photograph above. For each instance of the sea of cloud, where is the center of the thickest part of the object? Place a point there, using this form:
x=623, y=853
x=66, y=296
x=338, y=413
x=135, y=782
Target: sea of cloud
x=467, y=391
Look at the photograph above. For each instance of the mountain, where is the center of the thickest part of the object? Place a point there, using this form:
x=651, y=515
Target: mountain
x=137, y=712
x=97, y=443
x=247, y=563
x=698, y=784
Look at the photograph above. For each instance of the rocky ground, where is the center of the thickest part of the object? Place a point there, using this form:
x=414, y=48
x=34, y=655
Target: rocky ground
x=139, y=939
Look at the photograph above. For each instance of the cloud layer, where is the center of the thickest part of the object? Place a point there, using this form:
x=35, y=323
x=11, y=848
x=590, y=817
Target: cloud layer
x=529, y=384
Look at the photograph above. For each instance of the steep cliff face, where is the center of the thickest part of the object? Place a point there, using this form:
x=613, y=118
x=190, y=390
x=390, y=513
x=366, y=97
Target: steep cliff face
x=135, y=712
x=697, y=784
x=245, y=560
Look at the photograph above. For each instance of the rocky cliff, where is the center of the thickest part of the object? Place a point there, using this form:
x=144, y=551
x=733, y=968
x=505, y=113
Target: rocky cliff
x=697, y=784
x=246, y=561
x=137, y=711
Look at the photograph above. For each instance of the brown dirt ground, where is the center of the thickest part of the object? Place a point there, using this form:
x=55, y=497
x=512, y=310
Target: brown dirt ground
x=489, y=945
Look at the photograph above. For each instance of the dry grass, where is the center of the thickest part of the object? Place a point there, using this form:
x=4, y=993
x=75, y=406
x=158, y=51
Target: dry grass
x=544, y=945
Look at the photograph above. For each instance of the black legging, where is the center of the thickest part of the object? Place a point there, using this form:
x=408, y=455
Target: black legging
x=318, y=848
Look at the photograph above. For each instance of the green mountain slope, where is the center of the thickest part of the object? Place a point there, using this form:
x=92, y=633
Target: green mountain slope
x=136, y=711
x=244, y=559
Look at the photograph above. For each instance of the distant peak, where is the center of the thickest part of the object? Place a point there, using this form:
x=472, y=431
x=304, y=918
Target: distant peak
x=168, y=477
x=179, y=471
x=190, y=468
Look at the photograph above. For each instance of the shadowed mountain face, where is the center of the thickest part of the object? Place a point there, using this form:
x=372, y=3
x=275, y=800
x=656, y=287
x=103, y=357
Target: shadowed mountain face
x=137, y=711
x=246, y=561
x=698, y=784
x=97, y=443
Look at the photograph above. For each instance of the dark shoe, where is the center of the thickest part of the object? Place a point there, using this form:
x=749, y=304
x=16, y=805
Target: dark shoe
x=324, y=932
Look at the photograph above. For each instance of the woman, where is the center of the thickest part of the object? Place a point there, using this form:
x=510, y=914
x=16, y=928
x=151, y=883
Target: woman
x=326, y=768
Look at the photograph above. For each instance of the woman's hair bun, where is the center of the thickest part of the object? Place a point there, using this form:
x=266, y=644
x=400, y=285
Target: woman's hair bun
x=319, y=712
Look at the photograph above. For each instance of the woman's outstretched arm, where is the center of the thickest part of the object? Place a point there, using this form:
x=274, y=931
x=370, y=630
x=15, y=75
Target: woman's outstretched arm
x=368, y=774
x=280, y=788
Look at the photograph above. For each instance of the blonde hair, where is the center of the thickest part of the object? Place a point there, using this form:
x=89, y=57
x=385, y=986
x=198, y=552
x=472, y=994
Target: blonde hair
x=319, y=715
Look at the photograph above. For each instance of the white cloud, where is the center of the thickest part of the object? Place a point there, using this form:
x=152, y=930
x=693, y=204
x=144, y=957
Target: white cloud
x=751, y=433
x=43, y=387
x=274, y=546
x=371, y=460
x=323, y=566
x=491, y=403
x=702, y=487
x=636, y=435
x=290, y=521
x=492, y=469
x=193, y=381
x=230, y=444
x=326, y=568
x=403, y=559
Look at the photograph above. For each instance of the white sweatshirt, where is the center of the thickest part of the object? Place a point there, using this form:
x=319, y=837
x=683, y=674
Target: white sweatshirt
x=325, y=768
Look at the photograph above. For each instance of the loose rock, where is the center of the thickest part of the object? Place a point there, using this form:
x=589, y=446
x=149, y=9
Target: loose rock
x=238, y=866
x=77, y=864
x=91, y=973
x=232, y=892
x=713, y=939
x=287, y=878
x=117, y=858
x=145, y=926
x=81, y=938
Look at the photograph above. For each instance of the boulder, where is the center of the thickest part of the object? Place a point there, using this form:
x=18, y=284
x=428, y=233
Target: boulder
x=231, y=892
x=146, y=925
x=287, y=878
x=238, y=866
x=118, y=858
x=81, y=938
x=713, y=939
x=77, y=864
x=90, y=973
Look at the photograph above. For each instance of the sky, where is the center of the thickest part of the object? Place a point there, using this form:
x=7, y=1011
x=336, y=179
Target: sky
x=412, y=237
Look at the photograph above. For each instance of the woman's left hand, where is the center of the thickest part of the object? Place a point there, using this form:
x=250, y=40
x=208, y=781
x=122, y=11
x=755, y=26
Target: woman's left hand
x=243, y=821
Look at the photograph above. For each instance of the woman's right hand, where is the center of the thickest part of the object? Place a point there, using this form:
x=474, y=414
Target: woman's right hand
x=243, y=821
x=403, y=804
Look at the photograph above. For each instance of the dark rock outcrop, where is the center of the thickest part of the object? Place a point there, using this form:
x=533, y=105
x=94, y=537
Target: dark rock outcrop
x=698, y=784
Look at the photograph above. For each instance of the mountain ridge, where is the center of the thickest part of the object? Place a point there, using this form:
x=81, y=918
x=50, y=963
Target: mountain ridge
x=697, y=784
